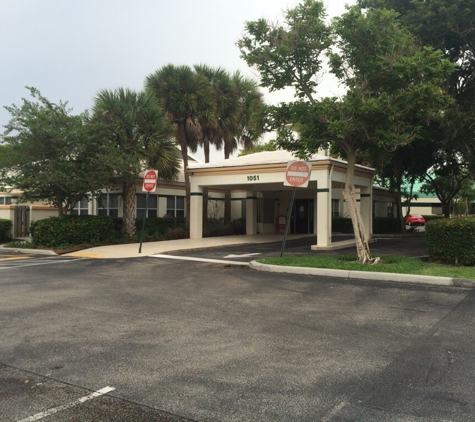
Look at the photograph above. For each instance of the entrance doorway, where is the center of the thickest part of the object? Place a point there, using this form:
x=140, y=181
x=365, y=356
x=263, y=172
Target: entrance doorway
x=21, y=223
x=302, y=216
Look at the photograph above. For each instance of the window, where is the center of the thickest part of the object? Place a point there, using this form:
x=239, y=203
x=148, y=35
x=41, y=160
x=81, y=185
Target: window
x=152, y=211
x=109, y=204
x=5, y=200
x=176, y=206
x=390, y=210
x=81, y=207
x=335, y=207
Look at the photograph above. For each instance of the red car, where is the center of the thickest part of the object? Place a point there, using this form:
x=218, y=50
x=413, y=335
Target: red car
x=415, y=220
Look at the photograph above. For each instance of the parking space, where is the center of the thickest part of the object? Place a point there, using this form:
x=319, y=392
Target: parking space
x=10, y=260
x=32, y=397
x=201, y=341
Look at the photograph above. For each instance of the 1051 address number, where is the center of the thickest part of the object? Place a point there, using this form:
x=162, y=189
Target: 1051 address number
x=252, y=178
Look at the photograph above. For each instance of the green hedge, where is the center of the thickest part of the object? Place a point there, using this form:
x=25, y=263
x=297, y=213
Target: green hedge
x=5, y=230
x=74, y=230
x=433, y=217
x=451, y=240
x=159, y=228
x=342, y=225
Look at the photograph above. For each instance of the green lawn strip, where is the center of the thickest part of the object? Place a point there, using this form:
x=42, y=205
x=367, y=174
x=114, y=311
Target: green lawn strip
x=389, y=264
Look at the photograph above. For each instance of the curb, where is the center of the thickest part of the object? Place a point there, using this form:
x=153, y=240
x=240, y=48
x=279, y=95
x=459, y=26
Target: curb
x=29, y=251
x=366, y=275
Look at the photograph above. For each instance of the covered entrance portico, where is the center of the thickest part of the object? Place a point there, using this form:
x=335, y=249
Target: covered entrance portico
x=258, y=179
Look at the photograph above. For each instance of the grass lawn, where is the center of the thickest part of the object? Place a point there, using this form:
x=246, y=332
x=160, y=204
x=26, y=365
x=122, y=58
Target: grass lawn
x=388, y=264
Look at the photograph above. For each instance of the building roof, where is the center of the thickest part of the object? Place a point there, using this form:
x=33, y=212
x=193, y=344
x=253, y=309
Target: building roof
x=266, y=157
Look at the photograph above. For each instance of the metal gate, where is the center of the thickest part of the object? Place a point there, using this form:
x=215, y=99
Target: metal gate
x=21, y=223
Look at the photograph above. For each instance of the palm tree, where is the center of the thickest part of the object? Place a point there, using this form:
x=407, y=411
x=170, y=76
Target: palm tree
x=140, y=136
x=219, y=130
x=186, y=98
x=251, y=112
x=248, y=126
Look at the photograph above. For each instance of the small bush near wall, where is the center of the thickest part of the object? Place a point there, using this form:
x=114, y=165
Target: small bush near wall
x=159, y=228
x=216, y=227
x=74, y=230
x=5, y=230
x=433, y=217
x=386, y=225
x=342, y=225
x=239, y=226
x=451, y=240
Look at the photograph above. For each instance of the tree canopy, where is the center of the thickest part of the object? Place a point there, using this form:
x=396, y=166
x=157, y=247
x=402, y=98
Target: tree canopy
x=139, y=137
x=51, y=155
x=393, y=86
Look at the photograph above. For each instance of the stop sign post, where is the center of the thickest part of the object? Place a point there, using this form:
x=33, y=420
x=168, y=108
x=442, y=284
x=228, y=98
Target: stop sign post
x=149, y=185
x=297, y=175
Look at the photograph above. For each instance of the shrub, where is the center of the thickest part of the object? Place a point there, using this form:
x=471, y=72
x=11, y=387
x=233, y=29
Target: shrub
x=156, y=228
x=451, y=241
x=386, y=225
x=342, y=225
x=5, y=230
x=216, y=227
x=176, y=233
x=239, y=226
x=433, y=217
x=74, y=230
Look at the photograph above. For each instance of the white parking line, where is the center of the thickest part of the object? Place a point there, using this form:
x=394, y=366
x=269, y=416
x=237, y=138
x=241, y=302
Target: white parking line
x=54, y=410
x=189, y=258
x=9, y=267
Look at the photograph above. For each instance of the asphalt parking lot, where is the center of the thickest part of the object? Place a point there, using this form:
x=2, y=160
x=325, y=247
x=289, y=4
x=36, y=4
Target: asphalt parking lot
x=414, y=246
x=179, y=340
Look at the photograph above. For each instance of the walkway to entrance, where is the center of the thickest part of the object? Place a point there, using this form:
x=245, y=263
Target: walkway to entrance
x=131, y=250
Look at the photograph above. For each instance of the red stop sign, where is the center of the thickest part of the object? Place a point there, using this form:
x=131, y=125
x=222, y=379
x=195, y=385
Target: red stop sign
x=297, y=174
x=150, y=181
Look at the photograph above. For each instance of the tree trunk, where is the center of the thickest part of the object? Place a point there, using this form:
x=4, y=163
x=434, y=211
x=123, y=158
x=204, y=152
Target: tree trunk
x=205, y=188
x=128, y=218
x=59, y=207
x=349, y=194
x=184, y=155
x=227, y=193
x=399, y=206
x=446, y=209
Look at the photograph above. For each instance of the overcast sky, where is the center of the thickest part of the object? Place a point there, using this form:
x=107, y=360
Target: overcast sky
x=71, y=49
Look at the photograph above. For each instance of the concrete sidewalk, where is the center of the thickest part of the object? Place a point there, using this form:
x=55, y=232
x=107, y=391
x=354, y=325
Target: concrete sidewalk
x=131, y=250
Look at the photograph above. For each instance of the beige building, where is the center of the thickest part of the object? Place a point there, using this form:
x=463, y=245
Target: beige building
x=259, y=194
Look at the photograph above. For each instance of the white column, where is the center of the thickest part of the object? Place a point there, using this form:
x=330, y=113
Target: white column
x=366, y=209
x=323, y=207
x=324, y=220
x=196, y=212
x=251, y=213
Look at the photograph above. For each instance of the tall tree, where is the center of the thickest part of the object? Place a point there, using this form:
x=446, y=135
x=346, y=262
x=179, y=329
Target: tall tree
x=141, y=137
x=51, y=155
x=388, y=80
x=218, y=131
x=187, y=100
x=450, y=27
